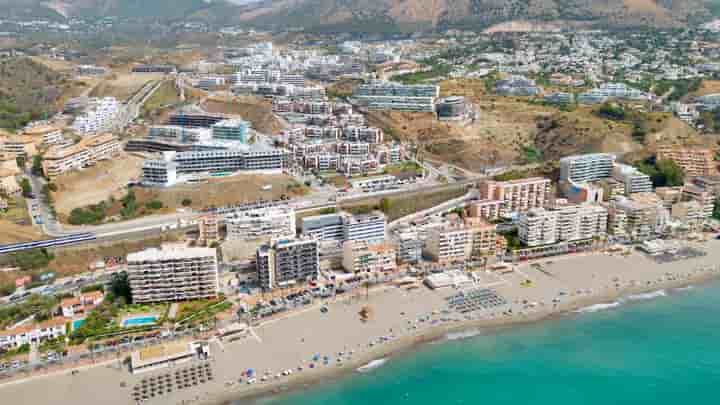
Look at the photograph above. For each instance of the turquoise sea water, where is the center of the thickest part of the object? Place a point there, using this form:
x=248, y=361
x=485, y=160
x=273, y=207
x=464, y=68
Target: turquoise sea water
x=660, y=351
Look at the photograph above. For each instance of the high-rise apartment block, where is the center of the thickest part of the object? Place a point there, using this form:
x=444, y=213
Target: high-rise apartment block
x=569, y=223
x=172, y=274
x=586, y=168
x=517, y=195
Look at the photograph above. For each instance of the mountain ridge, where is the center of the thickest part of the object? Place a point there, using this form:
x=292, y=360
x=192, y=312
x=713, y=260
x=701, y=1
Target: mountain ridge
x=381, y=15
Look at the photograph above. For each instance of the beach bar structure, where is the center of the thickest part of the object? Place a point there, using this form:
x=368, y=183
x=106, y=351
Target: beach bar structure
x=166, y=355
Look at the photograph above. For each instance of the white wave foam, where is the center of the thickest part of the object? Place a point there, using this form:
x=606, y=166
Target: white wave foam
x=371, y=365
x=599, y=307
x=689, y=287
x=647, y=296
x=462, y=335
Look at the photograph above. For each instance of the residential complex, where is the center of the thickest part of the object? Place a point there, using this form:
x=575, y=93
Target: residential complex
x=90, y=150
x=540, y=226
x=81, y=304
x=101, y=115
x=693, y=161
x=516, y=195
x=586, y=168
x=172, y=273
x=634, y=180
x=382, y=95
x=364, y=226
x=285, y=262
x=231, y=130
x=273, y=222
x=34, y=333
x=174, y=167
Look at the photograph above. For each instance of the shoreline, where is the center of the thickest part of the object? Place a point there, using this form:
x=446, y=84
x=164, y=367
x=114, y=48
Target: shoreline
x=402, y=322
x=409, y=344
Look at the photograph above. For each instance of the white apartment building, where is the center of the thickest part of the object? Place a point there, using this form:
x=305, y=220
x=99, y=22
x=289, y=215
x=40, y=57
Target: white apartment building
x=173, y=273
x=383, y=95
x=243, y=157
x=272, y=222
x=633, y=179
x=102, y=116
x=364, y=226
x=585, y=168
x=537, y=227
x=570, y=223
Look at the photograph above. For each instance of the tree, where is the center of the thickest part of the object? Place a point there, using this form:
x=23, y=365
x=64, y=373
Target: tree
x=673, y=174
x=664, y=173
x=120, y=288
x=385, y=205
x=186, y=202
x=31, y=259
x=37, y=166
x=26, y=187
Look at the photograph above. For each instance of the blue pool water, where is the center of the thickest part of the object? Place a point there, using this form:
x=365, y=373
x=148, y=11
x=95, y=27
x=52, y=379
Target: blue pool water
x=139, y=321
x=77, y=323
x=662, y=351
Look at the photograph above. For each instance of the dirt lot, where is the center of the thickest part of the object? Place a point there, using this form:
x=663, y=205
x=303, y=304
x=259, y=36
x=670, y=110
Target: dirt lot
x=708, y=87
x=123, y=85
x=76, y=260
x=225, y=191
x=95, y=184
x=13, y=233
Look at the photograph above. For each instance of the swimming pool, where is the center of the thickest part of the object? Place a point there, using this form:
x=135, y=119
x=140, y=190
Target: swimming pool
x=140, y=321
x=76, y=324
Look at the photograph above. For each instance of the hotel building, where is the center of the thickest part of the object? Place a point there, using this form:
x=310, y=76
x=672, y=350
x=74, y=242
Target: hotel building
x=173, y=274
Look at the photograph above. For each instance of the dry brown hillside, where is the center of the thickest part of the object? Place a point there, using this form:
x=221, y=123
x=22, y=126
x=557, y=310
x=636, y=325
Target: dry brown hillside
x=516, y=130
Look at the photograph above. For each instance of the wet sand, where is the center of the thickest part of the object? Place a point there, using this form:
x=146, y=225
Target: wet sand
x=579, y=282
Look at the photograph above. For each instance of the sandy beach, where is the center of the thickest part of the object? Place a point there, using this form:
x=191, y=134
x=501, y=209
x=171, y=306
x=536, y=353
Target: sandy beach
x=400, y=320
